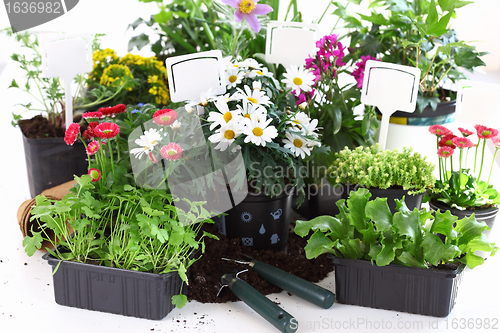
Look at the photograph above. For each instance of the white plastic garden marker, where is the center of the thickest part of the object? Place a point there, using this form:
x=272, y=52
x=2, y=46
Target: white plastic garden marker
x=478, y=103
x=390, y=88
x=191, y=75
x=290, y=43
x=65, y=56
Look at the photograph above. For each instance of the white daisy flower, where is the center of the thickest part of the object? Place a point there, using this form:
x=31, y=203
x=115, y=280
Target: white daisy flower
x=251, y=64
x=233, y=77
x=147, y=141
x=258, y=131
x=298, y=79
x=226, y=135
x=224, y=115
x=248, y=110
x=256, y=97
x=259, y=72
x=300, y=120
x=298, y=145
x=257, y=85
x=310, y=129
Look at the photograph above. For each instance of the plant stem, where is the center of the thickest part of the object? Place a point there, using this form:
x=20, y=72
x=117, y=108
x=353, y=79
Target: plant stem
x=482, y=161
x=112, y=162
x=492, y=164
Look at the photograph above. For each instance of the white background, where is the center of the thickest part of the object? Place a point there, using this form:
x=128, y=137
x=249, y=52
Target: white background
x=26, y=294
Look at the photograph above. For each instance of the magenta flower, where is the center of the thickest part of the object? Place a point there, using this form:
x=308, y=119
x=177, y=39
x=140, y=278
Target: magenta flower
x=248, y=9
x=445, y=151
x=93, y=147
x=71, y=134
x=171, y=152
x=95, y=174
x=465, y=132
x=484, y=132
x=439, y=130
x=496, y=141
x=462, y=142
x=359, y=72
x=447, y=140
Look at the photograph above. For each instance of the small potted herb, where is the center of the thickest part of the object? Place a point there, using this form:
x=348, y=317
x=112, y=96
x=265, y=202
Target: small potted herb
x=462, y=187
x=379, y=255
x=386, y=173
x=113, y=225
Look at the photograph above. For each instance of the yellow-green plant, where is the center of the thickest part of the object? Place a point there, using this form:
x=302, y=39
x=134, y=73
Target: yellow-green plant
x=372, y=167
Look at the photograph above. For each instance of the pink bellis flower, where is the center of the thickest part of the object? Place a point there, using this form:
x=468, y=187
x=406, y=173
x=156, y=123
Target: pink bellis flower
x=248, y=9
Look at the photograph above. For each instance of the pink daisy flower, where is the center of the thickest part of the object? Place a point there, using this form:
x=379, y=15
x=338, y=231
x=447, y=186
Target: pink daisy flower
x=445, y=151
x=447, y=140
x=165, y=117
x=95, y=174
x=439, y=130
x=465, y=132
x=248, y=9
x=106, y=130
x=461, y=142
x=92, y=116
x=496, y=141
x=71, y=134
x=153, y=158
x=93, y=147
x=111, y=111
x=484, y=132
x=89, y=134
x=171, y=152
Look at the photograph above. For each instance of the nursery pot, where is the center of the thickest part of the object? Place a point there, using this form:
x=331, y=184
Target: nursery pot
x=50, y=162
x=114, y=290
x=444, y=113
x=260, y=221
x=486, y=215
x=430, y=292
x=411, y=201
x=318, y=200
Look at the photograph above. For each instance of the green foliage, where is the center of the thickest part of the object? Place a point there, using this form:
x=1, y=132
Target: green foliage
x=366, y=229
x=370, y=167
x=414, y=33
x=127, y=228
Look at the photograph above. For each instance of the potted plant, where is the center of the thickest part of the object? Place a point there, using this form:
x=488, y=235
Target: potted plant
x=258, y=116
x=386, y=173
x=405, y=250
x=416, y=33
x=136, y=239
x=462, y=187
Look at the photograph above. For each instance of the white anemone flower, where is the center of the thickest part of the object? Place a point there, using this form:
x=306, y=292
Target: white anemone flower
x=258, y=131
x=147, y=141
x=298, y=79
x=255, y=97
x=233, y=77
x=298, y=146
x=226, y=135
x=224, y=115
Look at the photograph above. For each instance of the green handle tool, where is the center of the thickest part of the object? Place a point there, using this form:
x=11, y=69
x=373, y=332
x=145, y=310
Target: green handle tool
x=275, y=315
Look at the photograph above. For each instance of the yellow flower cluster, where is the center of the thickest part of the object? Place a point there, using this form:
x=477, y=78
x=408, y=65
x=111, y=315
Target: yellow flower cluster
x=149, y=74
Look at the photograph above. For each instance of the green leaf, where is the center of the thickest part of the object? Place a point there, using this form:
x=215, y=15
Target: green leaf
x=443, y=224
x=376, y=18
x=31, y=244
x=436, y=251
x=379, y=212
x=407, y=259
x=390, y=243
x=432, y=17
x=326, y=224
x=179, y=300
x=13, y=84
x=357, y=203
x=468, y=229
x=408, y=225
x=163, y=16
x=468, y=58
x=472, y=260
x=318, y=244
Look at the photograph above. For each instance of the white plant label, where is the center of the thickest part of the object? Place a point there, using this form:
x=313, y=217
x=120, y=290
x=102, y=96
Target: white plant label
x=290, y=43
x=191, y=75
x=65, y=56
x=389, y=87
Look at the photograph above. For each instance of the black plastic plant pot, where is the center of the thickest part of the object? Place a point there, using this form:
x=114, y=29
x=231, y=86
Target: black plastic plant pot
x=482, y=215
x=411, y=201
x=430, y=292
x=260, y=221
x=51, y=162
x=318, y=200
x=114, y=290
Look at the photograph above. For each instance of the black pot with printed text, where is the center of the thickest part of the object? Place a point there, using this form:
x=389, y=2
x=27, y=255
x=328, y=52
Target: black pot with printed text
x=260, y=221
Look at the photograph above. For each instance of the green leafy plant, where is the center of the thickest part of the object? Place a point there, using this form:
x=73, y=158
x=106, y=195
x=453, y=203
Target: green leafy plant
x=460, y=186
x=366, y=229
x=372, y=167
x=414, y=33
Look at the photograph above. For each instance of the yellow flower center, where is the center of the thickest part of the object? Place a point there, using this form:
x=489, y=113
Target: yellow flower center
x=259, y=72
x=171, y=152
x=257, y=131
x=295, y=121
x=146, y=148
x=227, y=116
x=233, y=78
x=253, y=100
x=247, y=116
x=153, y=142
x=165, y=118
x=297, y=81
x=246, y=6
x=297, y=143
x=107, y=131
x=229, y=134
